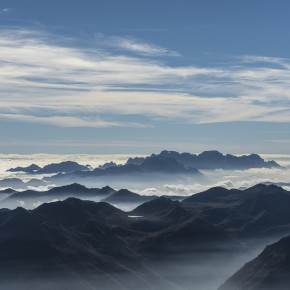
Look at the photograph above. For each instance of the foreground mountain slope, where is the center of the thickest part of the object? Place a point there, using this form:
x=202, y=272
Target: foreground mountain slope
x=69, y=245
x=78, y=244
x=89, y=245
x=269, y=271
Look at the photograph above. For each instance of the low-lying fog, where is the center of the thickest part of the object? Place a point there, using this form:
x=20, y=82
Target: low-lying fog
x=159, y=186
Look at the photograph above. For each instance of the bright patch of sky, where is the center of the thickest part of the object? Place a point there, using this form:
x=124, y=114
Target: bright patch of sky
x=135, y=77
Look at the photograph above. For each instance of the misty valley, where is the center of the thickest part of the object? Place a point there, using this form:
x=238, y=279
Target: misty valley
x=71, y=226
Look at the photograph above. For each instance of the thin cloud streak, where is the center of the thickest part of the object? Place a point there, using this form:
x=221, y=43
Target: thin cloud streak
x=133, y=45
x=69, y=121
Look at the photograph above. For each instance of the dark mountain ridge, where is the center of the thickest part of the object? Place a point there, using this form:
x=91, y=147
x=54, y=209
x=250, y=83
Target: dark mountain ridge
x=29, y=169
x=269, y=271
x=126, y=196
x=257, y=211
x=95, y=245
x=72, y=190
x=87, y=245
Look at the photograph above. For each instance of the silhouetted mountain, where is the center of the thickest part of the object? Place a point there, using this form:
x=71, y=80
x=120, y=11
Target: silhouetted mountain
x=154, y=168
x=135, y=161
x=216, y=160
x=156, y=207
x=188, y=235
x=214, y=194
x=12, y=182
x=149, y=165
x=170, y=164
x=107, y=165
x=124, y=195
x=210, y=160
x=87, y=241
x=68, y=245
x=158, y=214
x=29, y=169
x=75, y=244
x=166, y=165
x=17, y=183
x=72, y=190
x=66, y=166
x=8, y=191
x=257, y=211
x=269, y=271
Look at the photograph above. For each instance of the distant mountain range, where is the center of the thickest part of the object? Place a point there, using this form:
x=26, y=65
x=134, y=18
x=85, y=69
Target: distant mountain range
x=66, y=166
x=17, y=183
x=210, y=160
x=61, y=192
x=167, y=162
x=168, y=165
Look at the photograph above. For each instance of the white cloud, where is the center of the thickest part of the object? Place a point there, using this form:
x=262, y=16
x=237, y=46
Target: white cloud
x=68, y=121
x=141, y=48
x=130, y=44
x=37, y=204
x=239, y=179
x=38, y=74
x=21, y=203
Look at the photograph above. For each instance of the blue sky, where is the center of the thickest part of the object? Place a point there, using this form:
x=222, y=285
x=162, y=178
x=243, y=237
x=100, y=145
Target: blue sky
x=133, y=76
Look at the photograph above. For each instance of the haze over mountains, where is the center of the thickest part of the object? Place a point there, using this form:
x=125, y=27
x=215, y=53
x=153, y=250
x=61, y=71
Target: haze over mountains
x=210, y=160
x=168, y=166
x=166, y=161
x=268, y=271
x=108, y=237
x=66, y=166
x=79, y=243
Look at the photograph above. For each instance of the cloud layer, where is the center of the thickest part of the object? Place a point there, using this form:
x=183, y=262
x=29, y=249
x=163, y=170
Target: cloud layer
x=44, y=79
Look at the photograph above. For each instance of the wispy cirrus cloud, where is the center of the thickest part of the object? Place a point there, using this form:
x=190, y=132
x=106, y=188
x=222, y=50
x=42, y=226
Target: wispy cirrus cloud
x=5, y=10
x=132, y=45
x=39, y=73
x=68, y=121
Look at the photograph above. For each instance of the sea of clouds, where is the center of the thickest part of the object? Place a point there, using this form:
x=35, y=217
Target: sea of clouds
x=226, y=178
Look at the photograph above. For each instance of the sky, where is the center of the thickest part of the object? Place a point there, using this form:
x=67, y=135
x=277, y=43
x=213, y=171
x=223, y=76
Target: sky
x=137, y=77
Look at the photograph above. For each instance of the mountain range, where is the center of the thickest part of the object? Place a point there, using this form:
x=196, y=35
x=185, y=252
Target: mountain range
x=65, y=166
x=76, y=244
x=93, y=245
x=11, y=197
x=168, y=165
x=210, y=160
